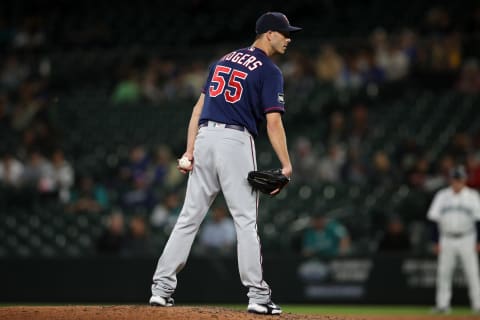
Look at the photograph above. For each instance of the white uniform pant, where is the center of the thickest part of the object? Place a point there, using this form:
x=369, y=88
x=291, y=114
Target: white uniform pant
x=463, y=249
x=222, y=159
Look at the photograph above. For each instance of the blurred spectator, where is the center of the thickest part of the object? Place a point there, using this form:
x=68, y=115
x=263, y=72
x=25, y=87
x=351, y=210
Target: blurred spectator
x=409, y=45
x=30, y=33
x=417, y=176
x=383, y=174
x=63, y=175
x=162, y=171
x=194, y=79
x=460, y=146
x=88, y=196
x=437, y=22
x=473, y=171
x=330, y=165
x=137, y=241
x=11, y=171
x=112, y=240
x=393, y=61
x=165, y=214
x=329, y=63
x=305, y=160
x=350, y=76
x=38, y=173
x=217, y=235
x=406, y=153
x=354, y=170
x=469, y=80
x=395, y=239
x=13, y=73
x=128, y=89
x=325, y=238
x=439, y=177
x=337, y=133
x=137, y=163
x=359, y=128
x=139, y=197
x=150, y=82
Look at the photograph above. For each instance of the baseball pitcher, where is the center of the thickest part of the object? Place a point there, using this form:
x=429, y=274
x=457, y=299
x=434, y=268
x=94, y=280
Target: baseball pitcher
x=243, y=89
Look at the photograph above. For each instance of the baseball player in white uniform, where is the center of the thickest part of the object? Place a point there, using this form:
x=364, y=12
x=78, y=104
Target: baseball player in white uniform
x=455, y=210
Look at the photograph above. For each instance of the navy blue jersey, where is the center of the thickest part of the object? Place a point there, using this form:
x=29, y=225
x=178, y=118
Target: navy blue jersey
x=241, y=88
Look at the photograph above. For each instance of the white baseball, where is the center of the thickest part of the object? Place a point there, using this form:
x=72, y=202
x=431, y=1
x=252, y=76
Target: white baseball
x=184, y=163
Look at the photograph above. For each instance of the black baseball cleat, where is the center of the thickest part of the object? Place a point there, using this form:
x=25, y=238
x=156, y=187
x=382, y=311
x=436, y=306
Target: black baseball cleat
x=268, y=308
x=157, y=301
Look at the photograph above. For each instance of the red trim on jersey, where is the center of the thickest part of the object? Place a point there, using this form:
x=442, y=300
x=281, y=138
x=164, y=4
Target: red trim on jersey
x=274, y=109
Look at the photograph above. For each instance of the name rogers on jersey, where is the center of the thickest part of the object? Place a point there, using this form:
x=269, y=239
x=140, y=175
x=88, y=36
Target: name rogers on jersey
x=244, y=59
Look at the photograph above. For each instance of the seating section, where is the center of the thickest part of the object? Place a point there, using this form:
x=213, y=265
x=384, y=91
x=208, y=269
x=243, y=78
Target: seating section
x=83, y=54
x=98, y=134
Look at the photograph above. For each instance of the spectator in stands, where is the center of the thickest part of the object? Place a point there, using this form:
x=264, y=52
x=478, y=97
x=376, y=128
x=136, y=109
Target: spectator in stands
x=138, y=162
x=460, y=146
x=393, y=61
x=409, y=46
x=162, y=171
x=112, y=240
x=128, y=89
x=418, y=174
x=305, y=159
x=165, y=214
x=217, y=235
x=11, y=171
x=328, y=64
x=38, y=173
x=89, y=196
x=193, y=79
x=355, y=169
x=351, y=75
x=325, y=238
x=139, y=197
x=383, y=173
x=395, y=239
x=150, y=82
x=13, y=72
x=330, y=165
x=63, y=175
x=337, y=132
x=438, y=178
x=137, y=241
x=359, y=128
x=473, y=171
x=469, y=80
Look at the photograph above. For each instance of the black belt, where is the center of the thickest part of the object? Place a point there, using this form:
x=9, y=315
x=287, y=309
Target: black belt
x=456, y=234
x=223, y=125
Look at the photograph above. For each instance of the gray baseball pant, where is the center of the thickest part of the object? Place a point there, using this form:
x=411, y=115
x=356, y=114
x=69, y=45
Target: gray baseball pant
x=222, y=159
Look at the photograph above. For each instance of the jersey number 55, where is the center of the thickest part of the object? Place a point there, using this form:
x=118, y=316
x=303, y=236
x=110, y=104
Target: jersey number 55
x=232, y=89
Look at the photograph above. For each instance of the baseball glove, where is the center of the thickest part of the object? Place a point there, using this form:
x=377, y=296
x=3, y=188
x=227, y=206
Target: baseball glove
x=267, y=181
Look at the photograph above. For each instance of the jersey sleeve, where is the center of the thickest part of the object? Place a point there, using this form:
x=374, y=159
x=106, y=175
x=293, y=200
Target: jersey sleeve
x=434, y=210
x=272, y=94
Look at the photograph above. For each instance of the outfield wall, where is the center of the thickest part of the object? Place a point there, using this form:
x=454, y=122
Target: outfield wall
x=376, y=280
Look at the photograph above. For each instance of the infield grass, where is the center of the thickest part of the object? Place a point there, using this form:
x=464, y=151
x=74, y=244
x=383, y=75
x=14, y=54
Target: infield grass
x=358, y=309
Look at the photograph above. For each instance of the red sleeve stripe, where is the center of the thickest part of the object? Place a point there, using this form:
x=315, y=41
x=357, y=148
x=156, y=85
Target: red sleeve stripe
x=274, y=109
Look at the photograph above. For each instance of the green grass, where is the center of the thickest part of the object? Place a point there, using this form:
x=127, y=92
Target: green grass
x=359, y=309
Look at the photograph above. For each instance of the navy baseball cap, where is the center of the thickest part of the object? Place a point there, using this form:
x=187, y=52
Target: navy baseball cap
x=458, y=173
x=274, y=21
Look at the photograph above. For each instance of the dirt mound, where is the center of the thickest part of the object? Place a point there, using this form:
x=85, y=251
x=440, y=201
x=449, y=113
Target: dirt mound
x=159, y=313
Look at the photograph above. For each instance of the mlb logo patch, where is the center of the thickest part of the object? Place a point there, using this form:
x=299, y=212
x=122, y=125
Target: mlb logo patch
x=281, y=98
